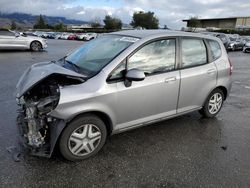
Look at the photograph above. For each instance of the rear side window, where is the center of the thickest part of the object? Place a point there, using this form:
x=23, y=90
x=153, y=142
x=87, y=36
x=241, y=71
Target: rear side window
x=215, y=49
x=6, y=33
x=194, y=52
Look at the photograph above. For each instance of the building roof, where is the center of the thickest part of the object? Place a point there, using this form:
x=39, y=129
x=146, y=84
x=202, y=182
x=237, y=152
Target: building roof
x=228, y=18
x=156, y=32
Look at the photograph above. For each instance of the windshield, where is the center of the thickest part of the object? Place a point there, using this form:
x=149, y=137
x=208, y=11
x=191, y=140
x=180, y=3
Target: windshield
x=94, y=55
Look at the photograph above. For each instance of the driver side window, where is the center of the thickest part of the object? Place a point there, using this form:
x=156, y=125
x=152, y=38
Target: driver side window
x=155, y=57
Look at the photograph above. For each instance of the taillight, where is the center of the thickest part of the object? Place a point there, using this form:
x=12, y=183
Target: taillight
x=231, y=67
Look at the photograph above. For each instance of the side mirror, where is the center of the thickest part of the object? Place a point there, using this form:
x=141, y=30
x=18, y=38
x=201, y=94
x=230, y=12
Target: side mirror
x=133, y=75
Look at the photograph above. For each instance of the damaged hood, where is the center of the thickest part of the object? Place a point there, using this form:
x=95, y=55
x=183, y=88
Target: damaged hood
x=39, y=72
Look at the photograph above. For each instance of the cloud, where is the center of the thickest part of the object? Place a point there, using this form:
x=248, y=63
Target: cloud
x=169, y=12
x=172, y=12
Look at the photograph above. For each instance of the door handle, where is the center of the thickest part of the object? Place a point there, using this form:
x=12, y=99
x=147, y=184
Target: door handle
x=171, y=79
x=211, y=71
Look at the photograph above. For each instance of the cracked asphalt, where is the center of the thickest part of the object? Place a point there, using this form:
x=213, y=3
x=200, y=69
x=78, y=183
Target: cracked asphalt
x=187, y=151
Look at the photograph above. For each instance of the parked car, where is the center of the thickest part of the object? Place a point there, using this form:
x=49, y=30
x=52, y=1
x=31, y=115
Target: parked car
x=246, y=47
x=72, y=37
x=118, y=82
x=38, y=33
x=81, y=36
x=86, y=36
x=51, y=35
x=235, y=44
x=222, y=36
x=90, y=36
x=245, y=39
x=12, y=40
x=25, y=34
x=65, y=36
x=58, y=35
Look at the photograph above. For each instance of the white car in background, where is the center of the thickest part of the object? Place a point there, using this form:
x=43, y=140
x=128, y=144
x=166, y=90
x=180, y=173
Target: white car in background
x=81, y=36
x=90, y=36
x=11, y=40
x=86, y=36
x=65, y=36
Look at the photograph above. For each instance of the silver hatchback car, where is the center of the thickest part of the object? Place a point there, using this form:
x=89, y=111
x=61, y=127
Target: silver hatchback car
x=118, y=82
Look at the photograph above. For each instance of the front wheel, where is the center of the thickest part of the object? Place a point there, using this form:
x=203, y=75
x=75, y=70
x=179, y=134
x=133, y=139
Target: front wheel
x=83, y=138
x=35, y=46
x=213, y=104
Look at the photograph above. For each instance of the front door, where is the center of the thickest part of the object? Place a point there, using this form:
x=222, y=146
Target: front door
x=156, y=96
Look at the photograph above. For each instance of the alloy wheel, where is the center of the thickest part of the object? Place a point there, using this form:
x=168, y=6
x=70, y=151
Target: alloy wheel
x=215, y=103
x=36, y=46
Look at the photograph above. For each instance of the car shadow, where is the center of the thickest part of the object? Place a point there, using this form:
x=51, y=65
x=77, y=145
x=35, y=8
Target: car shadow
x=21, y=50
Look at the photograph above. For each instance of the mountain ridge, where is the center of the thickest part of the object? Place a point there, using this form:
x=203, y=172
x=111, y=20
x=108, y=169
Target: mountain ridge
x=28, y=20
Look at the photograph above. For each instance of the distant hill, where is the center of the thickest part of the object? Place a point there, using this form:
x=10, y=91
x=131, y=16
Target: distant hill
x=28, y=20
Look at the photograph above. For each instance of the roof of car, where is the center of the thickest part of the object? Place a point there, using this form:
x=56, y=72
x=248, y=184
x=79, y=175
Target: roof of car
x=145, y=33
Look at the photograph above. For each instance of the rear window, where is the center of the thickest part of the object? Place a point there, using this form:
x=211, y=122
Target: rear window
x=215, y=49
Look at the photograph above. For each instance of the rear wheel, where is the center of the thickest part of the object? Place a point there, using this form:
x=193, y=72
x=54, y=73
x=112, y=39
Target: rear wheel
x=83, y=138
x=36, y=46
x=213, y=104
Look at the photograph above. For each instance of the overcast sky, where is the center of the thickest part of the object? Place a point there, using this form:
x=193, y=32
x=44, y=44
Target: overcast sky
x=169, y=12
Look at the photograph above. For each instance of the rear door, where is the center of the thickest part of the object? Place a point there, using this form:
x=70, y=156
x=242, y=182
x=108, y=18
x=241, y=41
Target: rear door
x=198, y=77
x=8, y=40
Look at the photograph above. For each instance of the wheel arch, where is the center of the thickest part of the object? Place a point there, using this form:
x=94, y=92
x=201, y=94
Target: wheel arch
x=59, y=128
x=102, y=115
x=36, y=41
x=224, y=90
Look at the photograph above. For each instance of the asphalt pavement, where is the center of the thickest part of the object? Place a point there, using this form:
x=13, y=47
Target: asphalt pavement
x=188, y=151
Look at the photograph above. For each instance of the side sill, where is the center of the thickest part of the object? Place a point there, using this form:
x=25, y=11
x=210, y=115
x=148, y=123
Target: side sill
x=152, y=121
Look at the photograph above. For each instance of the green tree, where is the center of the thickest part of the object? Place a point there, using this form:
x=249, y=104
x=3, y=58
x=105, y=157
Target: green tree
x=60, y=27
x=112, y=23
x=145, y=20
x=13, y=25
x=40, y=24
x=193, y=22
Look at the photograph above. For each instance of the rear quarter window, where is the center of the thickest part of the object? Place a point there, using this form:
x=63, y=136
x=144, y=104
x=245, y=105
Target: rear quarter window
x=6, y=33
x=215, y=49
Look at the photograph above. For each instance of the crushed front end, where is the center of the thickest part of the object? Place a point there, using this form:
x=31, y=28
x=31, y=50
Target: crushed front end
x=38, y=94
x=33, y=118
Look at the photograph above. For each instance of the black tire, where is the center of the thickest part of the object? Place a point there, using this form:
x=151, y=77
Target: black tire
x=205, y=112
x=35, y=46
x=75, y=125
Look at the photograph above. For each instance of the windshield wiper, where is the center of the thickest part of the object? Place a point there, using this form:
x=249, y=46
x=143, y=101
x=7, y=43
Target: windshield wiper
x=75, y=67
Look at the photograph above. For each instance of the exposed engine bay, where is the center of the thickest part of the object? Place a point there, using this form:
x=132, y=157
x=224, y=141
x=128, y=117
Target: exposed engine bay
x=33, y=120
